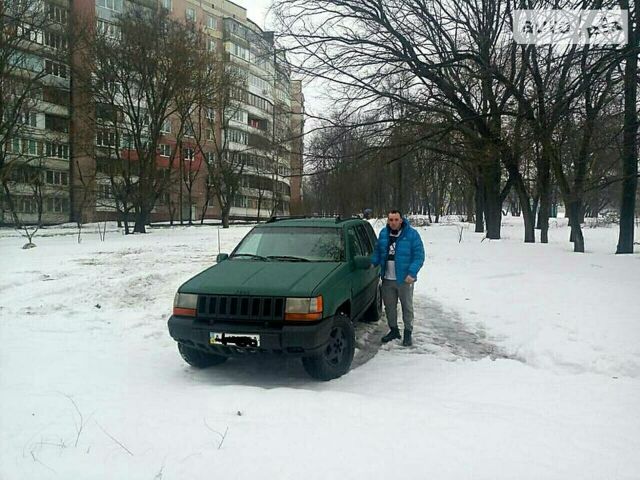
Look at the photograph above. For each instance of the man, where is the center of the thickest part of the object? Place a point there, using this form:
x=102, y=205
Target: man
x=400, y=254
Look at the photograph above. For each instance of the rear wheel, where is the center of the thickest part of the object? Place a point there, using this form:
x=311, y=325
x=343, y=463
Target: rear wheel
x=335, y=359
x=199, y=359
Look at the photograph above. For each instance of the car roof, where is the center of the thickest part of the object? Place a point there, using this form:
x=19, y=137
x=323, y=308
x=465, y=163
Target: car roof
x=324, y=222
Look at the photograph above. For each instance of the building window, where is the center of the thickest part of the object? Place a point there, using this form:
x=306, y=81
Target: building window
x=56, y=123
x=260, y=103
x=211, y=44
x=238, y=136
x=30, y=34
x=57, y=205
x=190, y=14
x=56, y=69
x=15, y=146
x=189, y=153
x=240, y=116
x=108, y=29
x=31, y=147
x=55, y=150
x=28, y=118
x=212, y=23
x=260, y=84
x=240, y=201
x=57, y=14
x=258, y=123
x=165, y=150
x=56, y=178
x=115, y=5
x=210, y=135
x=166, y=127
x=25, y=146
x=55, y=40
x=237, y=51
x=26, y=204
x=105, y=138
x=166, y=4
x=55, y=95
x=104, y=192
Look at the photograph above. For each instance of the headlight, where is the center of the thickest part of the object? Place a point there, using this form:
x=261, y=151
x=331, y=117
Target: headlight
x=185, y=304
x=303, y=308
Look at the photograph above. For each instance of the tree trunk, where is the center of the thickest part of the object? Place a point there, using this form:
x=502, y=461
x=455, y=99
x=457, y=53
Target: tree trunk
x=469, y=199
x=479, y=206
x=225, y=215
x=525, y=208
x=493, y=205
x=12, y=209
x=141, y=221
x=205, y=207
x=629, y=147
x=576, y=229
x=544, y=189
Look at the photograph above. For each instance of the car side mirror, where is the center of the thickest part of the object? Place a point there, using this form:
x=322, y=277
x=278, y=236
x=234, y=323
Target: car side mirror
x=361, y=262
x=221, y=257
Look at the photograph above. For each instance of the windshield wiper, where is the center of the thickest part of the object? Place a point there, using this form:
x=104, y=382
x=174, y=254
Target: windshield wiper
x=288, y=257
x=250, y=255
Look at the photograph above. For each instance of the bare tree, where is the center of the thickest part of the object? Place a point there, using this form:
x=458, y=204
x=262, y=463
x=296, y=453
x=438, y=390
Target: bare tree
x=222, y=95
x=136, y=79
x=631, y=124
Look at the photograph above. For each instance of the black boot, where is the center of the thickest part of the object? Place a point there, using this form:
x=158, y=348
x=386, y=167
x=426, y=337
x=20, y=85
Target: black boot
x=406, y=342
x=392, y=335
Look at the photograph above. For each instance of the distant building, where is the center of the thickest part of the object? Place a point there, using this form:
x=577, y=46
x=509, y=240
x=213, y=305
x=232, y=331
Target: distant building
x=72, y=148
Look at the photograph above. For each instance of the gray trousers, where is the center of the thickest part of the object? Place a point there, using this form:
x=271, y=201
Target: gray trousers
x=391, y=292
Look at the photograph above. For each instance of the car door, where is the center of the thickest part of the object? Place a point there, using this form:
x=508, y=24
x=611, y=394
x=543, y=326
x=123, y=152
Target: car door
x=358, y=277
x=372, y=276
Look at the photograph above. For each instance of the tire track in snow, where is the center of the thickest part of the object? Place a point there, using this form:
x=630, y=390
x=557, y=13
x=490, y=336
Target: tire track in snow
x=436, y=331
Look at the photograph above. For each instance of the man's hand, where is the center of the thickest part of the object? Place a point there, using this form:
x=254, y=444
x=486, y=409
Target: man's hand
x=409, y=279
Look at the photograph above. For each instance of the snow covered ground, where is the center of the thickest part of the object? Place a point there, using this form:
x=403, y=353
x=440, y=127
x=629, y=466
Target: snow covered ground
x=526, y=365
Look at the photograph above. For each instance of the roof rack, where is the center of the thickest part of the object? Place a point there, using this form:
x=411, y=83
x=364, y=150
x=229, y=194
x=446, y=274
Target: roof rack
x=293, y=217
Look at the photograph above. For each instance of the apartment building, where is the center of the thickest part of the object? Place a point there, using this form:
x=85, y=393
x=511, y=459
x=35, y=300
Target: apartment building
x=36, y=150
x=265, y=130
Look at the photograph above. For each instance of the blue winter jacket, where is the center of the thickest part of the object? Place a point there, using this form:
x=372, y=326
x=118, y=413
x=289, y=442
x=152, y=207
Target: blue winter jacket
x=409, y=252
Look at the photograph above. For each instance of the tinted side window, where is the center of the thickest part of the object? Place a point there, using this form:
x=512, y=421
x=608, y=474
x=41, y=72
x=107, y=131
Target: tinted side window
x=365, y=241
x=354, y=242
x=371, y=233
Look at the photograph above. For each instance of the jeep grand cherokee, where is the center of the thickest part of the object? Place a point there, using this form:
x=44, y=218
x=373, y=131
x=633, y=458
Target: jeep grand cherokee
x=292, y=286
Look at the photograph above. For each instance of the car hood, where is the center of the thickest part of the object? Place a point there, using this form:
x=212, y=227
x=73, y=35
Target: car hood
x=256, y=278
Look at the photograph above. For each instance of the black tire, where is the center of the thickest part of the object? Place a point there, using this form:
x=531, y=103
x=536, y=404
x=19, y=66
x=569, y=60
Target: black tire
x=199, y=359
x=335, y=360
x=374, y=312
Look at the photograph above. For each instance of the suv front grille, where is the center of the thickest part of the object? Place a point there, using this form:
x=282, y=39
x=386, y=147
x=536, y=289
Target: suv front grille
x=224, y=307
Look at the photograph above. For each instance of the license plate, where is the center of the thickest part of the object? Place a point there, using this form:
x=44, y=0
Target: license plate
x=235, y=339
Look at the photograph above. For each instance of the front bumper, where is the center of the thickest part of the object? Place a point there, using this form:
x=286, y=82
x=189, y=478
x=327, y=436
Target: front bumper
x=291, y=340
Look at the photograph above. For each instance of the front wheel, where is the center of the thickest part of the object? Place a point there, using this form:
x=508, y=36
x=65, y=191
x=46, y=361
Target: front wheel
x=199, y=359
x=335, y=359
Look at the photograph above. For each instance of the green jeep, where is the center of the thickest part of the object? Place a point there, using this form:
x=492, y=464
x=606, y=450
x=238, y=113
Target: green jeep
x=293, y=286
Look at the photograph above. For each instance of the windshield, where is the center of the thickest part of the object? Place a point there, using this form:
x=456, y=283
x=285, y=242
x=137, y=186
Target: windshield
x=311, y=244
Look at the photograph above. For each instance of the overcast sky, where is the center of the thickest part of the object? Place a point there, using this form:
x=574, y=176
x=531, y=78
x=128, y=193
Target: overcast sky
x=256, y=9
x=315, y=96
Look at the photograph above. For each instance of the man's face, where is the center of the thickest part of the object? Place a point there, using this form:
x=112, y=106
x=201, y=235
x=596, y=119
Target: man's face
x=394, y=220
